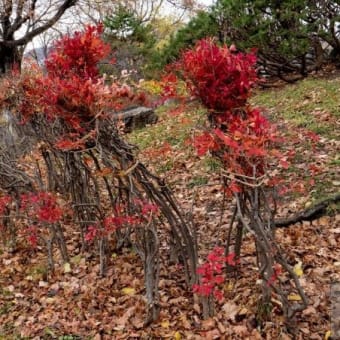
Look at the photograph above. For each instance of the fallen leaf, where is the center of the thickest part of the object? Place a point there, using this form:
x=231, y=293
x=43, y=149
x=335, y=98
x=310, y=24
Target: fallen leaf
x=177, y=336
x=308, y=204
x=221, y=327
x=328, y=335
x=125, y=317
x=212, y=335
x=11, y=288
x=128, y=291
x=243, y=311
x=229, y=287
x=76, y=259
x=50, y=300
x=305, y=331
x=165, y=324
x=294, y=297
x=255, y=335
x=310, y=310
x=241, y=330
x=185, y=321
x=335, y=230
x=197, y=308
x=67, y=267
x=298, y=269
x=230, y=309
x=208, y=324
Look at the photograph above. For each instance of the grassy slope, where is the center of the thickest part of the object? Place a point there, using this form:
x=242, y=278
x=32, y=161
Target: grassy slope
x=310, y=105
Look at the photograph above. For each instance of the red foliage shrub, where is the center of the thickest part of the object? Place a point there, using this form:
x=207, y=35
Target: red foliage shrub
x=239, y=135
x=145, y=210
x=78, y=55
x=72, y=90
x=38, y=210
x=220, y=78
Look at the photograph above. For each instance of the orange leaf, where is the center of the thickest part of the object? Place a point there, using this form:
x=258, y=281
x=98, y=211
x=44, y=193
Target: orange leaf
x=104, y=172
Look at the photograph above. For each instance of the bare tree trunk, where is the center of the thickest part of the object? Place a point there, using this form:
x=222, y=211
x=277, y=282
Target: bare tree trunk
x=10, y=58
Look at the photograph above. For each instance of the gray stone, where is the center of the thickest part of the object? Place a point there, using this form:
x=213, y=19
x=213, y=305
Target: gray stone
x=136, y=117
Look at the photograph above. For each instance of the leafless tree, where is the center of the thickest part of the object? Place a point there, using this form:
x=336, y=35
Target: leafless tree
x=95, y=11
x=21, y=21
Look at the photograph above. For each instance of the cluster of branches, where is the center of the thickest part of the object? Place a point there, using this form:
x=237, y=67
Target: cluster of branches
x=243, y=141
x=82, y=162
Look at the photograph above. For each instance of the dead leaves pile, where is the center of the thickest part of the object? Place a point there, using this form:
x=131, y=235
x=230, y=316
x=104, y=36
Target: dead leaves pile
x=75, y=301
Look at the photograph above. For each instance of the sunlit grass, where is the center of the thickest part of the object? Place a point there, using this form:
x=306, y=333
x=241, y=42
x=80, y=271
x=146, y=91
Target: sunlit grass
x=173, y=127
x=313, y=104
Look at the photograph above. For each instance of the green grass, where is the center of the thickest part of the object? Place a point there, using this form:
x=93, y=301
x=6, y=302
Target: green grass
x=38, y=272
x=335, y=161
x=212, y=164
x=170, y=128
x=6, y=308
x=305, y=104
x=197, y=181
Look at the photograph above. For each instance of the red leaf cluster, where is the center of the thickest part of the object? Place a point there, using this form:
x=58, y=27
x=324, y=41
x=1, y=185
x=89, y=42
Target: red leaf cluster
x=277, y=270
x=41, y=206
x=78, y=55
x=72, y=89
x=211, y=273
x=91, y=234
x=221, y=78
x=5, y=201
x=31, y=233
x=38, y=209
x=122, y=218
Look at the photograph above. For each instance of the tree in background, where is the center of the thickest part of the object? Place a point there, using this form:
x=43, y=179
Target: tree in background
x=149, y=24
x=131, y=39
x=324, y=16
x=136, y=41
x=200, y=26
x=89, y=11
x=21, y=21
x=292, y=37
x=289, y=35
x=275, y=28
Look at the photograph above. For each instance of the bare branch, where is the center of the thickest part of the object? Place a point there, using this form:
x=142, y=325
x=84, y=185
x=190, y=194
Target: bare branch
x=40, y=29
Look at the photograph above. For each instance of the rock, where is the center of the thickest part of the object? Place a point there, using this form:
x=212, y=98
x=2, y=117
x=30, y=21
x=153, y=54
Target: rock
x=8, y=133
x=136, y=117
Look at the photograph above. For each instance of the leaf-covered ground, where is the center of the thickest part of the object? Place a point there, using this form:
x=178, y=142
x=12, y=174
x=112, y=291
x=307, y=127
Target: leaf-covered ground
x=75, y=303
